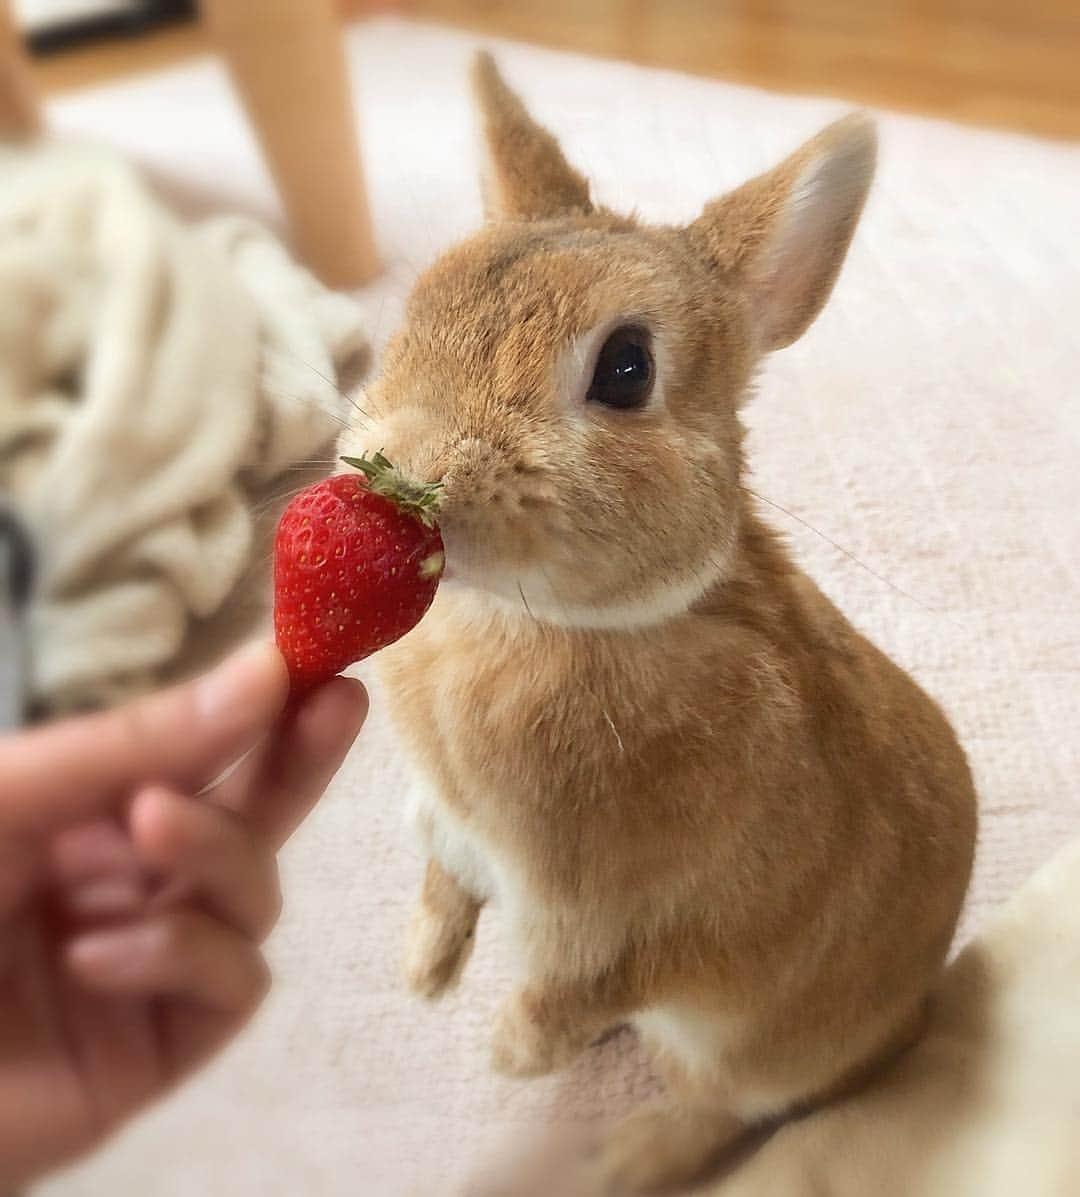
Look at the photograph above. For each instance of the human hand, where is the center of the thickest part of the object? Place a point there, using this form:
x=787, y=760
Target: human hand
x=132, y=905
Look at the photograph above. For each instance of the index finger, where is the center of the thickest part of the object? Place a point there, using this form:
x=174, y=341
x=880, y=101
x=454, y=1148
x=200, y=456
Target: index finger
x=182, y=737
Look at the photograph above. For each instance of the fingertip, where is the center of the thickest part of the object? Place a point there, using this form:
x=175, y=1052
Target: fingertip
x=78, y=957
x=183, y=953
x=356, y=701
x=99, y=957
x=333, y=714
x=154, y=820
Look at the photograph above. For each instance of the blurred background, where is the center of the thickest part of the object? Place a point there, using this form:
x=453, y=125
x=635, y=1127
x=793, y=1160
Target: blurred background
x=173, y=369
x=1010, y=63
x=169, y=374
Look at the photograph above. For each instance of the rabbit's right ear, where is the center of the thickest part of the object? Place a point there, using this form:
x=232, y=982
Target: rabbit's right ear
x=525, y=176
x=784, y=235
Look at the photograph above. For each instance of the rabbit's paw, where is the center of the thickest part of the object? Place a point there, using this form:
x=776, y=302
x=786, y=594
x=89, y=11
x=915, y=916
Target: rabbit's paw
x=526, y=1044
x=436, y=950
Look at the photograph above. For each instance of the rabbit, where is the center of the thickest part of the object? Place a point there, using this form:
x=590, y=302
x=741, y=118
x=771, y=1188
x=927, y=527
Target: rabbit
x=704, y=804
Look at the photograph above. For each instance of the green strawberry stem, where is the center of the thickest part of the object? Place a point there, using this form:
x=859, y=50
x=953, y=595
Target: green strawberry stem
x=420, y=499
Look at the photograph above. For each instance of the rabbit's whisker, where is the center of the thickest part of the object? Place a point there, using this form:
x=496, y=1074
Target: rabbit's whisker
x=260, y=508
x=614, y=730
x=332, y=383
x=308, y=400
x=525, y=602
x=850, y=555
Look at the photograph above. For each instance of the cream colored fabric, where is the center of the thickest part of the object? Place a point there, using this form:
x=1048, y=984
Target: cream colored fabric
x=928, y=422
x=153, y=378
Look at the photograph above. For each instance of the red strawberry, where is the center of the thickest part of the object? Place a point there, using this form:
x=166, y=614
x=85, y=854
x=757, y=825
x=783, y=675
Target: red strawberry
x=357, y=561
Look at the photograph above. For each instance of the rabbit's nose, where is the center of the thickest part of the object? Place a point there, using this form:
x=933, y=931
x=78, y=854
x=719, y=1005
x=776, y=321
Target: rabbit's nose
x=435, y=468
x=468, y=470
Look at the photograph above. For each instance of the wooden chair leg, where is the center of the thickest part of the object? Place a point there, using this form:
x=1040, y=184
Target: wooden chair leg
x=20, y=115
x=287, y=61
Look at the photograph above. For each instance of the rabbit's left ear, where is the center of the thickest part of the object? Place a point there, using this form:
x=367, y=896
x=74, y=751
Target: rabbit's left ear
x=525, y=176
x=784, y=235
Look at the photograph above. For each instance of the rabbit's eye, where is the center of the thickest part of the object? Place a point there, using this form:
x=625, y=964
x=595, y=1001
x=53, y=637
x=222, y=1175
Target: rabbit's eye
x=623, y=376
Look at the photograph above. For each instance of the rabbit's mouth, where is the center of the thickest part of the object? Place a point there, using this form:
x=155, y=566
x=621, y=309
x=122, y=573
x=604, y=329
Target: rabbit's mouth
x=465, y=566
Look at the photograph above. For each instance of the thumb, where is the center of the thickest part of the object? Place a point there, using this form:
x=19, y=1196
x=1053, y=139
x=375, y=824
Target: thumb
x=182, y=737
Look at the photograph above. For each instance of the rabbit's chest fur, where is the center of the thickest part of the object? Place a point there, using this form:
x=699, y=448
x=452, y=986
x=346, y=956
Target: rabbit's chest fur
x=730, y=771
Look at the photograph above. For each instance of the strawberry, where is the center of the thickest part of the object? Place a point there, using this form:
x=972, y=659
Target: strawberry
x=357, y=561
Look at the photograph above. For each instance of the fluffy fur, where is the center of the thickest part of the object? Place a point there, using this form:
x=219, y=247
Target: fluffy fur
x=703, y=801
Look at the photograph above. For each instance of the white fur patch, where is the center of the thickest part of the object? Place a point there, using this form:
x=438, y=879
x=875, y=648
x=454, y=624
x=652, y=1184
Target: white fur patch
x=469, y=858
x=529, y=928
x=458, y=849
x=694, y=1038
x=667, y=601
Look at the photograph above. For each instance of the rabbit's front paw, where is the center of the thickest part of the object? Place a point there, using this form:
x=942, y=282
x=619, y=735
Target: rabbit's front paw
x=438, y=944
x=526, y=1044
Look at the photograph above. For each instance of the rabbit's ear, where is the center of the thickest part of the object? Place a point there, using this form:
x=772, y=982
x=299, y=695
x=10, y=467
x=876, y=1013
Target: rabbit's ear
x=525, y=175
x=783, y=236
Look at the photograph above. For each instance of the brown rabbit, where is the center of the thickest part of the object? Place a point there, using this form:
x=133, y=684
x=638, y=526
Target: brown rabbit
x=705, y=804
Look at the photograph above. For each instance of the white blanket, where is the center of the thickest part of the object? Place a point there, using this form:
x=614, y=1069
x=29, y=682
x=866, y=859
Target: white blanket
x=153, y=378
x=928, y=423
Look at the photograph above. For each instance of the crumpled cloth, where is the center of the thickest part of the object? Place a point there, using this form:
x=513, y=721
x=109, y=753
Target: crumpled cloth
x=154, y=378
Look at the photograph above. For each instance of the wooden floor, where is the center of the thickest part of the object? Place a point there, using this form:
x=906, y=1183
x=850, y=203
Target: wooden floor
x=1008, y=63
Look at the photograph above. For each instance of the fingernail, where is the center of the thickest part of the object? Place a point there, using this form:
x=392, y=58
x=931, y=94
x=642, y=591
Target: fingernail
x=110, y=955
x=239, y=680
x=108, y=898
x=361, y=698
